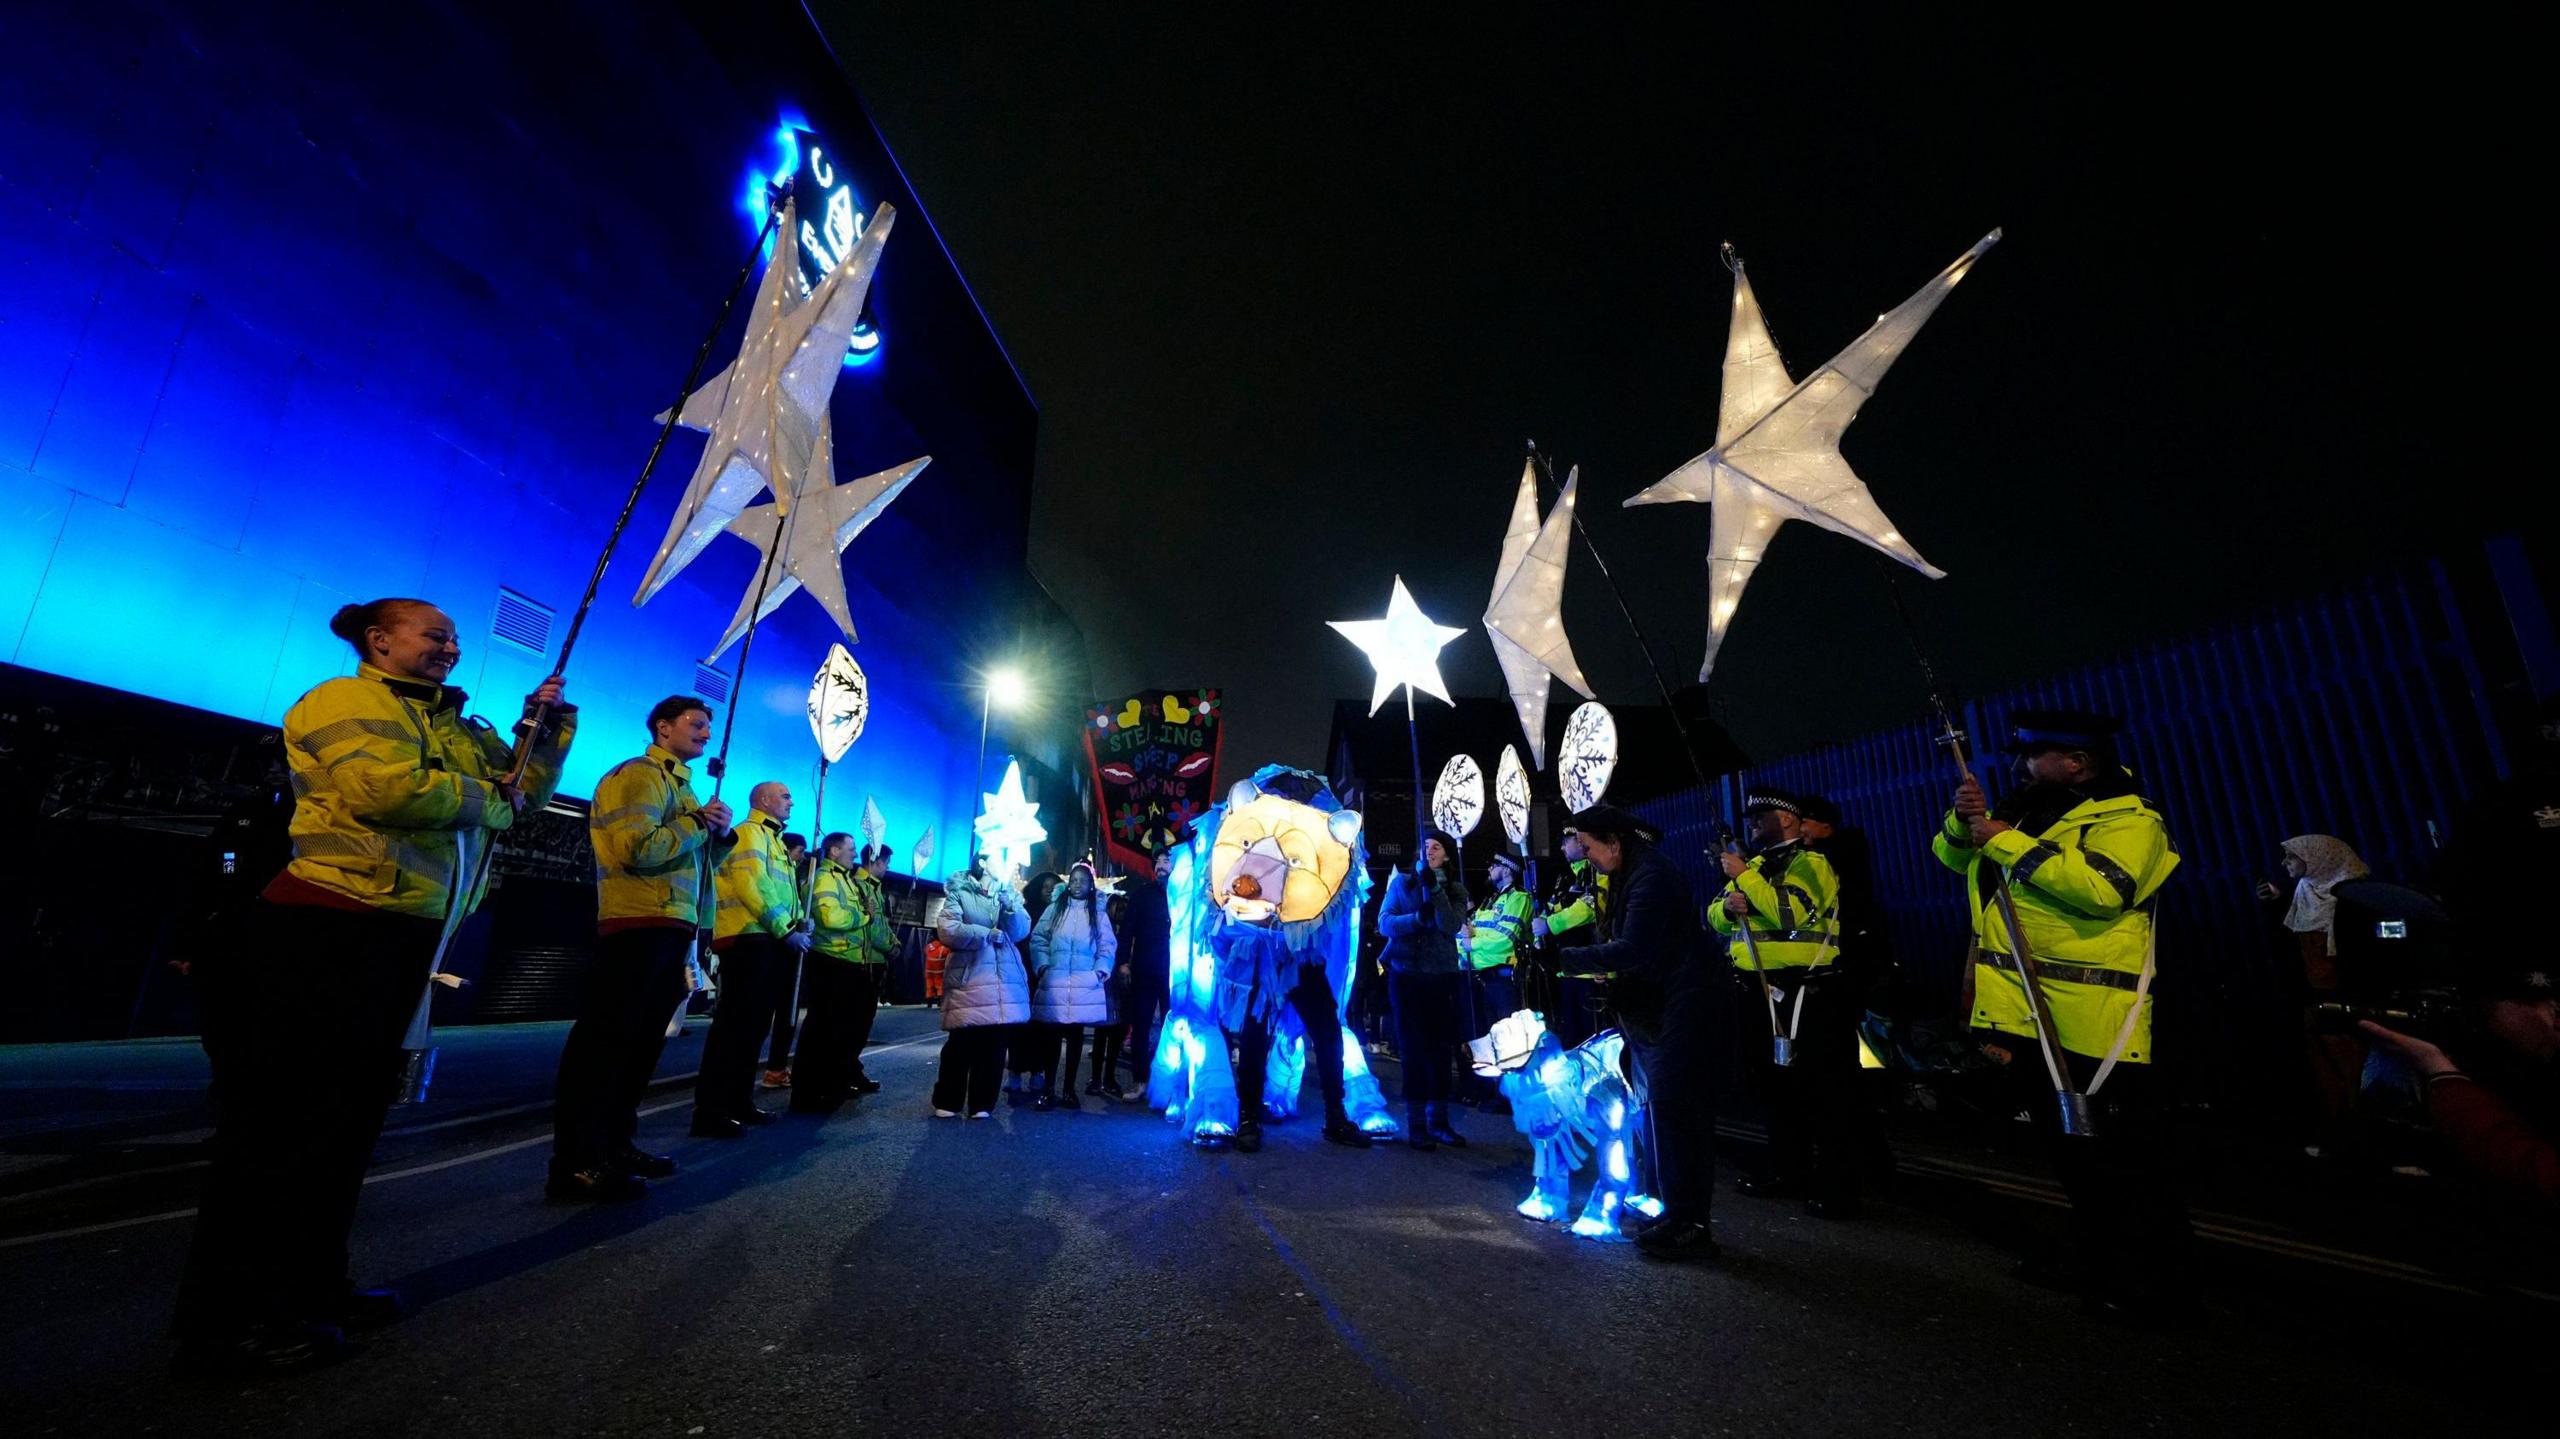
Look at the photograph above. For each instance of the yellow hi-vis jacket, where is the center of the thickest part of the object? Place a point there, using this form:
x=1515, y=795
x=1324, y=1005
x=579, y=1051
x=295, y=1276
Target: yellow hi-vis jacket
x=850, y=916
x=1579, y=904
x=757, y=894
x=653, y=851
x=1502, y=929
x=395, y=795
x=2083, y=889
x=1795, y=914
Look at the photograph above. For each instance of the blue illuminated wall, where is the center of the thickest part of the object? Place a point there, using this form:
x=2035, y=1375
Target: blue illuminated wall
x=298, y=314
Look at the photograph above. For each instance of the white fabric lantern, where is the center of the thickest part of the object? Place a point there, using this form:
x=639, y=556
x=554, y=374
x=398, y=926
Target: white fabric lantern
x=839, y=703
x=1457, y=801
x=1588, y=756
x=1511, y=795
x=1777, y=451
x=1524, y=618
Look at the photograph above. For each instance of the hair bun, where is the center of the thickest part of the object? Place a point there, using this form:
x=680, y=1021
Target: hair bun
x=350, y=622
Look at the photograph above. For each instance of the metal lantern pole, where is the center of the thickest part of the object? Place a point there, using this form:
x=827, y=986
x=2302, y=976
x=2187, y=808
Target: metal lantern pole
x=2078, y=1116
x=531, y=725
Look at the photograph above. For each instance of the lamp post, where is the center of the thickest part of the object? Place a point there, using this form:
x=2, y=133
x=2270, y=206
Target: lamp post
x=1002, y=685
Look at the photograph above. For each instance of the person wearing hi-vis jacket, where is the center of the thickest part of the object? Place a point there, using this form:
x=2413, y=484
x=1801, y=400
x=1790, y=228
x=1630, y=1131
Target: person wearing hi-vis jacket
x=1788, y=896
x=398, y=799
x=2083, y=856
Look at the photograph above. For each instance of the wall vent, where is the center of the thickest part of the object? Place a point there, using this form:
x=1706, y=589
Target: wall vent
x=711, y=684
x=523, y=623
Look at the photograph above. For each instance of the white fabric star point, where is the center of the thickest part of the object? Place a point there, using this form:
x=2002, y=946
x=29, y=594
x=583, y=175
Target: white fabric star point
x=1404, y=647
x=1777, y=452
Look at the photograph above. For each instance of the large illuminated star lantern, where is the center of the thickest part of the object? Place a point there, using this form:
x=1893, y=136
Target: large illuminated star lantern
x=824, y=517
x=1404, y=647
x=1009, y=825
x=1777, y=453
x=1523, y=617
x=766, y=410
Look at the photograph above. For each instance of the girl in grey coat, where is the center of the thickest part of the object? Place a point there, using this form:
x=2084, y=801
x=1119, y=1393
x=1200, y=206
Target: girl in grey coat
x=1072, y=948
x=985, y=989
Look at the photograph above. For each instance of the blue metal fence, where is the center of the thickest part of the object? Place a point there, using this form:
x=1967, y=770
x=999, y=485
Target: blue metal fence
x=2361, y=713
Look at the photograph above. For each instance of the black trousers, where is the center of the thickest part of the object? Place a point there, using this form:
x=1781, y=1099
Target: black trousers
x=842, y=998
x=633, y=987
x=973, y=1061
x=1578, y=1011
x=1106, y=1047
x=2129, y=1224
x=1048, y=1040
x=1313, y=999
x=793, y=989
x=1822, y=1133
x=1426, y=1008
x=1676, y=1058
x=753, y=970
x=329, y=994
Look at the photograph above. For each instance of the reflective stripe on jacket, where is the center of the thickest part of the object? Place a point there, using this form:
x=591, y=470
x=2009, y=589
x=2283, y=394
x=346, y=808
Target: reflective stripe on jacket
x=836, y=914
x=395, y=792
x=1502, y=927
x=1793, y=915
x=653, y=852
x=2084, y=890
x=757, y=895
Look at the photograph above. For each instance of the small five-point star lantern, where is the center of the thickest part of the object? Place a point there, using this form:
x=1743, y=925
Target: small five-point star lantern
x=1404, y=647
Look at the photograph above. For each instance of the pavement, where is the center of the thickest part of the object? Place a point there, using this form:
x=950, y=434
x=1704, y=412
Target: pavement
x=1086, y=1273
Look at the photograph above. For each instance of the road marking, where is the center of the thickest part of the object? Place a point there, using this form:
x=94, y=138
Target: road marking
x=472, y=1158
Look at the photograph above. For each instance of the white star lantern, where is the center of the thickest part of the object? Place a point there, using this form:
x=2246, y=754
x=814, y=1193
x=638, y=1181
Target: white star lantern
x=923, y=854
x=1511, y=795
x=1777, y=451
x=1523, y=617
x=839, y=704
x=1009, y=825
x=875, y=825
x=1404, y=647
x=764, y=410
x=1457, y=801
x=824, y=518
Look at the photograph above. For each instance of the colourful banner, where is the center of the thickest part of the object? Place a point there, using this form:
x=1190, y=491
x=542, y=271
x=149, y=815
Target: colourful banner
x=1155, y=766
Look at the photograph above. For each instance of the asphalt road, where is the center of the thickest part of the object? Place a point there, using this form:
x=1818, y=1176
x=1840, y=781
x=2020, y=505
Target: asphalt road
x=1085, y=1273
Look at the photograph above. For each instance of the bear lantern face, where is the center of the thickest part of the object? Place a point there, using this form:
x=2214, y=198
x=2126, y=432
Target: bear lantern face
x=1277, y=860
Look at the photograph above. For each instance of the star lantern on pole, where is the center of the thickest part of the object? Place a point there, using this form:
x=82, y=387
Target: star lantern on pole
x=1777, y=451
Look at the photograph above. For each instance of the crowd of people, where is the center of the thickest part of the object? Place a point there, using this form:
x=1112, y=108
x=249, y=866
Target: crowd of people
x=399, y=797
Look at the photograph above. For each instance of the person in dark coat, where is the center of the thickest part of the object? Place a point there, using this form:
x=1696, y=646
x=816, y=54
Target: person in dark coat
x=1420, y=918
x=1666, y=987
x=1146, y=965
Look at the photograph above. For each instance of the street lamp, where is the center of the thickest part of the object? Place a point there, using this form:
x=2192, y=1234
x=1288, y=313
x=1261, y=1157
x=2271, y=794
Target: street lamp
x=1003, y=685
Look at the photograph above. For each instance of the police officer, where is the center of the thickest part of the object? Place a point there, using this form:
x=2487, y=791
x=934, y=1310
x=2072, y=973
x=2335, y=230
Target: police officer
x=655, y=845
x=849, y=948
x=2085, y=856
x=758, y=934
x=1787, y=896
x=1496, y=939
x=1565, y=925
x=1666, y=1001
x=397, y=803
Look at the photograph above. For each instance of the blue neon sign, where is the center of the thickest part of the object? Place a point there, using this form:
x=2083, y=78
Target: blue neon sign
x=830, y=213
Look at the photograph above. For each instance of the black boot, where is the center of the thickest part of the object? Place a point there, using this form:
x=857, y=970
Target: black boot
x=1442, y=1130
x=1248, y=1136
x=1417, y=1129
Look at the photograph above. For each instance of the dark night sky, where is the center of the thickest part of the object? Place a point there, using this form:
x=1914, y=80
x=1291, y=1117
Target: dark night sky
x=1292, y=284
